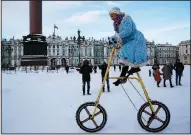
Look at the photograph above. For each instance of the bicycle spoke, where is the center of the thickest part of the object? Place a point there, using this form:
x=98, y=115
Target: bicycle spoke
x=97, y=113
x=147, y=112
x=159, y=120
x=87, y=111
x=85, y=120
x=95, y=123
x=149, y=121
x=157, y=110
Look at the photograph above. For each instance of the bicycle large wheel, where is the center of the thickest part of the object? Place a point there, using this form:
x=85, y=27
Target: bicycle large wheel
x=147, y=125
x=96, y=127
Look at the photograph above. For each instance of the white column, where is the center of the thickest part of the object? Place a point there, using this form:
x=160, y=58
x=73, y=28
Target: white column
x=92, y=49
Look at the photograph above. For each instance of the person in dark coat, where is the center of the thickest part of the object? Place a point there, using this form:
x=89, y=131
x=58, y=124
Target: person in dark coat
x=167, y=74
x=103, y=68
x=99, y=66
x=149, y=72
x=95, y=69
x=114, y=67
x=90, y=64
x=179, y=68
x=172, y=67
x=67, y=68
x=85, y=70
x=119, y=67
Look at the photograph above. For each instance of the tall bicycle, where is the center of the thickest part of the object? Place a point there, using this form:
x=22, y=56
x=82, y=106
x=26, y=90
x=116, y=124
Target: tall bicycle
x=145, y=124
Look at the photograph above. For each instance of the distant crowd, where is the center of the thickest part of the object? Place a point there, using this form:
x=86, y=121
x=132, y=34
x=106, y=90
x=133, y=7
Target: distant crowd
x=167, y=71
x=86, y=69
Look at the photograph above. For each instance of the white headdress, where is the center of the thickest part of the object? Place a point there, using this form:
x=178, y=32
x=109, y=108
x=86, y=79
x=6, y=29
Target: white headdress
x=115, y=10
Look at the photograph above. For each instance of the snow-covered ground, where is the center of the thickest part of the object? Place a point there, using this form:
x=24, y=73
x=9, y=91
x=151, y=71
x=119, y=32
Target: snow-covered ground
x=47, y=102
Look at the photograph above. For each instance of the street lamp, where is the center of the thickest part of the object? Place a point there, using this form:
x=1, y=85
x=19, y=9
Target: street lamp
x=9, y=50
x=74, y=38
x=79, y=43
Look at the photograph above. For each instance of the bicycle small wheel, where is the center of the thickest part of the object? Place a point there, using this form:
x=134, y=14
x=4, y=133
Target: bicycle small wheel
x=153, y=116
x=97, y=127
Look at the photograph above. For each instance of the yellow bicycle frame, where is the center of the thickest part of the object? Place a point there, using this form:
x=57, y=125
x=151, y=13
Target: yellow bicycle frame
x=105, y=77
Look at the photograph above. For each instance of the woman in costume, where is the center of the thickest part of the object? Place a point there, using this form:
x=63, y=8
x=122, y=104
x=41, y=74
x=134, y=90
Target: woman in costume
x=133, y=51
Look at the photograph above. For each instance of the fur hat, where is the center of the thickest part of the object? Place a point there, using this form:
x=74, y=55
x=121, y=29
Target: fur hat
x=85, y=62
x=115, y=10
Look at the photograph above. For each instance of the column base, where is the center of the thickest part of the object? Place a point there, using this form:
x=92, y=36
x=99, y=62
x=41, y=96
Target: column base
x=34, y=60
x=35, y=50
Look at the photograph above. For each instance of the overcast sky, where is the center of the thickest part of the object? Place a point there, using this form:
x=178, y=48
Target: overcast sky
x=161, y=21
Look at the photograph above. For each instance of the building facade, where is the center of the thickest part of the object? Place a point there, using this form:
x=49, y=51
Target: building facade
x=166, y=53
x=151, y=52
x=12, y=51
x=66, y=51
x=184, y=52
x=61, y=52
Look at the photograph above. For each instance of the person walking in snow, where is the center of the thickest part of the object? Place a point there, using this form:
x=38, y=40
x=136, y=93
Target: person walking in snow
x=157, y=76
x=103, y=68
x=179, y=68
x=155, y=67
x=95, y=69
x=119, y=67
x=67, y=69
x=167, y=75
x=114, y=67
x=85, y=70
x=149, y=73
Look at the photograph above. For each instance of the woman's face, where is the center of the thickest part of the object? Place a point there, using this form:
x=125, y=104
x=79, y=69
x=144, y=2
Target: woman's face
x=113, y=16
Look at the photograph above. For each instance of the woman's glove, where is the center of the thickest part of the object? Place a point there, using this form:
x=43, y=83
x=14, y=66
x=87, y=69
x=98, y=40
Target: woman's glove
x=113, y=40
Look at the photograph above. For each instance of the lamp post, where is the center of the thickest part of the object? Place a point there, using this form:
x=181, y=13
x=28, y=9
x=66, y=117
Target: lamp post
x=79, y=44
x=74, y=38
x=3, y=54
x=9, y=50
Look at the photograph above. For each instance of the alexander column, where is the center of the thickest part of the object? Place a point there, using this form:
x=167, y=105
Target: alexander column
x=35, y=14
x=35, y=45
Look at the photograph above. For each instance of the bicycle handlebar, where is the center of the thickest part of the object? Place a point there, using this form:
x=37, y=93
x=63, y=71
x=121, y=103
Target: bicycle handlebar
x=116, y=47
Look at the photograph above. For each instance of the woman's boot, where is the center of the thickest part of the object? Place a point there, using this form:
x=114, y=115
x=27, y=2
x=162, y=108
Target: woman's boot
x=132, y=71
x=123, y=73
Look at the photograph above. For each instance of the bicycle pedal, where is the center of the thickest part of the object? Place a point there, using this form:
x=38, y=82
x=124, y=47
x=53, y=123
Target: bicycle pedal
x=123, y=81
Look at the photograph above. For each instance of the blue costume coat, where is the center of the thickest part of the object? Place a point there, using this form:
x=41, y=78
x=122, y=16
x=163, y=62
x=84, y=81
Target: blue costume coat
x=133, y=51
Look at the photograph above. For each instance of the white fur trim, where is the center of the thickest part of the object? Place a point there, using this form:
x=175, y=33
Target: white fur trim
x=126, y=15
x=119, y=40
x=124, y=62
x=114, y=12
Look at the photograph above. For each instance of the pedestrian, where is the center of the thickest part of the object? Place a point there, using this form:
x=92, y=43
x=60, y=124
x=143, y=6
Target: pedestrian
x=103, y=68
x=67, y=68
x=95, y=69
x=85, y=70
x=155, y=66
x=172, y=67
x=133, y=51
x=114, y=67
x=149, y=72
x=119, y=67
x=157, y=76
x=179, y=68
x=167, y=75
